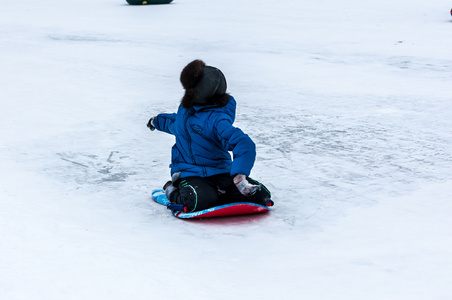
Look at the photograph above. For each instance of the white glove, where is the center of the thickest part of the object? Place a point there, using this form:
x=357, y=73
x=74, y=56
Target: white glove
x=246, y=188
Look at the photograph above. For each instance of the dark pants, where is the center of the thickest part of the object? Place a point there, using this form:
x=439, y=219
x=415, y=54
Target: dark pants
x=197, y=193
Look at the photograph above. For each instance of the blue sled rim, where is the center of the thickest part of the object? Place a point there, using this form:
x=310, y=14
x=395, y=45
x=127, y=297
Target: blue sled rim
x=244, y=207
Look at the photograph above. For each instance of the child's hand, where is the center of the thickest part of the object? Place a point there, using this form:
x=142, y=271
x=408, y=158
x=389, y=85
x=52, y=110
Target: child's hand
x=246, y=188
x=150, y=124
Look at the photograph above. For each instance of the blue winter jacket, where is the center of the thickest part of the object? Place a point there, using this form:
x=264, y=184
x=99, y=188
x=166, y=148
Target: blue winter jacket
x=204, y=137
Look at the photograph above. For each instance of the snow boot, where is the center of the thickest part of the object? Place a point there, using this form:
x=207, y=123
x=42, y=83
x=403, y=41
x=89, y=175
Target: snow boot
x=171, y=185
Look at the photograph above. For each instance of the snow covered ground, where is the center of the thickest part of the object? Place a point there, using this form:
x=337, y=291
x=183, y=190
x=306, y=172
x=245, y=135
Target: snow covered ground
x=348, y=102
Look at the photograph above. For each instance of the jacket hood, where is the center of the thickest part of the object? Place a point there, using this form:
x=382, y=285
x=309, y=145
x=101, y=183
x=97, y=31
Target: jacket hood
x=229, y=109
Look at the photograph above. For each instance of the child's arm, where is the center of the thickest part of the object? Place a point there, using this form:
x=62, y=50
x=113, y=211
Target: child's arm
x=163, y=122
x=242, y=147
x=244, y=151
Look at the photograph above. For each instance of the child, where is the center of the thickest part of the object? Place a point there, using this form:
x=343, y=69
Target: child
x=203, y=174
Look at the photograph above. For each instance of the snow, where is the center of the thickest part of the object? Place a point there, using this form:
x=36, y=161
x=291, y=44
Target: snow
x=349, y=105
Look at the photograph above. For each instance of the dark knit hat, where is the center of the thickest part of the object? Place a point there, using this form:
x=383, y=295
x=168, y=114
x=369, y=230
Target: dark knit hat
x=204, y=85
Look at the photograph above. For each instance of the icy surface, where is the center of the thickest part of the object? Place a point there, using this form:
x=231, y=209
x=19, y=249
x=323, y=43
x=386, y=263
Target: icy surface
x=348, y=102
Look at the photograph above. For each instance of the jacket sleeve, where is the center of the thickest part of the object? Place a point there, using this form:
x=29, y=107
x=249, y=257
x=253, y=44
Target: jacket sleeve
x=165, y=123
x=242, y=147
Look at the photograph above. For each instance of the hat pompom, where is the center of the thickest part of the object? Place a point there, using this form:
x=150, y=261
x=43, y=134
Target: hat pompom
x=192, y=74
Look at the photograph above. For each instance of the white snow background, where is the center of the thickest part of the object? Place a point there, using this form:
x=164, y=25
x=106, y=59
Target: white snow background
x=349, y=103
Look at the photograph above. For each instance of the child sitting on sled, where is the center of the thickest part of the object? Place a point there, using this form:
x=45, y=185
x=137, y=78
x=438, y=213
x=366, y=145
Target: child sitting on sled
x=203, y=173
